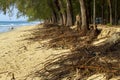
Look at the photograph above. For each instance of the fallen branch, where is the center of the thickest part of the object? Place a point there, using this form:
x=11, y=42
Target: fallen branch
x=99, y=68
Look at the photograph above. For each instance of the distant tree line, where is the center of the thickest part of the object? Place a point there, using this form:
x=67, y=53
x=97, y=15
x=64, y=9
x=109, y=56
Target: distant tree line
x=64, y=12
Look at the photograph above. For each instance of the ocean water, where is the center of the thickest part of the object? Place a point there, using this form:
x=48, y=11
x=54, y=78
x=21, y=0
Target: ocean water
x=7, y=25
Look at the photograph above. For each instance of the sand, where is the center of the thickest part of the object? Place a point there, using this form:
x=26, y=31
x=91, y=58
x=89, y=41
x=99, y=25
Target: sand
x=19, y=56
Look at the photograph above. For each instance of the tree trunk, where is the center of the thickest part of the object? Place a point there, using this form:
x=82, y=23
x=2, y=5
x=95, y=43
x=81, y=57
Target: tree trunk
x=69, y=13
x=89, y=11
x=102, y=15
x=64, y=18
x=54, y=14
x=63, y=13
x=59, y=14
x=116, y=12
x=94, y=14
x=54, y=19
x=85, y=25
x=110, y=11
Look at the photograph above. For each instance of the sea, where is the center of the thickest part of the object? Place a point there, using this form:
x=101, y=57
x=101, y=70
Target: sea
x=6, y=26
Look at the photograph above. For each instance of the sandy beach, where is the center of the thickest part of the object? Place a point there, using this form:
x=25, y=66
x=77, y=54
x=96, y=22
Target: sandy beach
x=19, y=56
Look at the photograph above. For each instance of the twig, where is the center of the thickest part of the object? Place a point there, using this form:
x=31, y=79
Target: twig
x=98, y=68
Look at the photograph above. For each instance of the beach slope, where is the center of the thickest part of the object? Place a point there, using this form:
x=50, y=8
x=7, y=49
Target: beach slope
x=20, y=56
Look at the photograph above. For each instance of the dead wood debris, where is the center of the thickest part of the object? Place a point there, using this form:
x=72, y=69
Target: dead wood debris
x=84, y=59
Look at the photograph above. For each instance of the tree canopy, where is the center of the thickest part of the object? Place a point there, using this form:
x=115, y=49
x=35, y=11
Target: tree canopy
x=59, y=11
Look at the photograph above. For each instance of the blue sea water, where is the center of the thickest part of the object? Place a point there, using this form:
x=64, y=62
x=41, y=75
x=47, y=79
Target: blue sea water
x=7, y=25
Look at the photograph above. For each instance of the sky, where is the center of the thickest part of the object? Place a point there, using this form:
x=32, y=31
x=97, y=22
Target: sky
x=6, y=17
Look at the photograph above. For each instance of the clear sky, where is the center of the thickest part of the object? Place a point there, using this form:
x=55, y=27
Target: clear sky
x=12, y=18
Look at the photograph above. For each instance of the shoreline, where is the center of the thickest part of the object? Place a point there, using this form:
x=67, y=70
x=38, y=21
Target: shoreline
x=6, y=26
x=16, y=27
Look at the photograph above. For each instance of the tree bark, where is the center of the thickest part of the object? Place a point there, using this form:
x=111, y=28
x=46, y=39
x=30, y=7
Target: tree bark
x=63, y=13
x=94, y=13
x=69, y=13
x=57, y=9
x=54, y=14
x=85, y=25
x=116, y=5
x=102, y=15
x=110, y=11
x=54, y=19
x=89, y=11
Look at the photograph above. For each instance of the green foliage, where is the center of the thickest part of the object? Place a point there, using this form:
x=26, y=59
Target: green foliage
x=40, y=9
x=6, y=5
x=34, y=9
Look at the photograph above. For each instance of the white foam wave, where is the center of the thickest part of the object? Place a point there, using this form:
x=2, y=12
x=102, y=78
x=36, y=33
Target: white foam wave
x=5, y=26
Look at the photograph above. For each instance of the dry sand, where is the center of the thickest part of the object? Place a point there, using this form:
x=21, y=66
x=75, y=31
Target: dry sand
x=18, y=56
